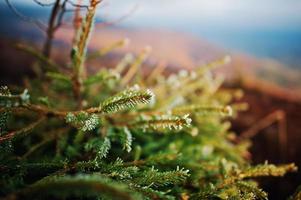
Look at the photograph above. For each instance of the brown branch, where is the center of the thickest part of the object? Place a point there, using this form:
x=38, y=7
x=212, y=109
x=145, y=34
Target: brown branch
x=51, y=29
x=44, y=112
x=52, y=135
x=48, y=112
x=157, y=71
x=43, y=4
x=60, y=16
x=277, y=116
x=79, y=71
x=25, y=130
x=102, y=24
x=77, y=20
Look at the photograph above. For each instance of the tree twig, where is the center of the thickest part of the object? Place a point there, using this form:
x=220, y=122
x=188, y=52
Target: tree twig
x=24, y=130
x=51, y=29
x=277, y=116
x=43, y=4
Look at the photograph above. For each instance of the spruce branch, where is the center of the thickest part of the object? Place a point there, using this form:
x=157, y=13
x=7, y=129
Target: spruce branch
x=258, y=171
x=268, y=170
x=204, y=110
x=157, y=71
x=251, y=189
x=123, y=63
x=108, y=49
x=154, y=178
x=6, y=112
x=77, y=20
x=4, y=117
x=101, y=147
x=164, y=121
x=126, y=99
x=135, y=65
x=78, y=53
x=118, y=170
x=101, y=77
x=59, y=77
x=48, y=64
x=155, y=159
x=153, y=194
x=8, y=100
x=77, y=186
x=214, y=64
x=126, y=139
x=83, y=120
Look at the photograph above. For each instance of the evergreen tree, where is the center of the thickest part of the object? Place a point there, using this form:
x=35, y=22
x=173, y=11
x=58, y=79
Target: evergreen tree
x=118, y=135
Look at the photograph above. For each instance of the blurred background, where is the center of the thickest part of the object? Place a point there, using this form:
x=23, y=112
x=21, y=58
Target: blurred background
x=266, y=29
x=263, y=38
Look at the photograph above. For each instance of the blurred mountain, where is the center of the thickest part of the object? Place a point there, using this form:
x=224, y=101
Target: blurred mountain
x=181, y=50
x=177, y=49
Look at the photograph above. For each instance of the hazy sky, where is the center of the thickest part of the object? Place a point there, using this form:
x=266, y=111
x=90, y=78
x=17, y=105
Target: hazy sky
x=217, y=13
x=232, y=13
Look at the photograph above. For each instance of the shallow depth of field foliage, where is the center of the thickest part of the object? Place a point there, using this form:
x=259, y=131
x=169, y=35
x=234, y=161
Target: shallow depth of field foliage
x=119, y=134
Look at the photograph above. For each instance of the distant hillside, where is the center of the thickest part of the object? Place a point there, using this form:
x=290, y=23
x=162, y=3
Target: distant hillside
x=282, y=44
x=183, y=50
x=176, y=49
